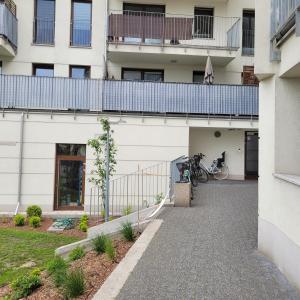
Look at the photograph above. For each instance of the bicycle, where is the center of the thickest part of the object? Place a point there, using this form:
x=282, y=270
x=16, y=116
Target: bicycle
x=218, y=168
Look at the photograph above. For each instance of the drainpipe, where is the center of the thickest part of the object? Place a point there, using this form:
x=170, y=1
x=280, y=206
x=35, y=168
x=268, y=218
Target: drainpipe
x=20, y=162
x=105, y=38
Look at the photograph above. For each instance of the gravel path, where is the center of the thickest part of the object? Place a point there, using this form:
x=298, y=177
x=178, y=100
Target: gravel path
x=209, y=252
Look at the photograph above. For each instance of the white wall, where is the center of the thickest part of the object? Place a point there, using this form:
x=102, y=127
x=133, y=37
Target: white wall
x=141, y=142
x=232, y=141
x=61, y=54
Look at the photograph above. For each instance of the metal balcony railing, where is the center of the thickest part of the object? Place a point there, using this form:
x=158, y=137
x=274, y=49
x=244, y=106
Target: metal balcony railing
x=43, y=31
x=28, y=92
x=131, y=27
x=8, y=25
x=81, y=33
x=282, y=11
x=248, y=42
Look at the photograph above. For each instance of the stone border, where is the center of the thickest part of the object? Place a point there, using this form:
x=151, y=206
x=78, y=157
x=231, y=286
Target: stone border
x=114, y=283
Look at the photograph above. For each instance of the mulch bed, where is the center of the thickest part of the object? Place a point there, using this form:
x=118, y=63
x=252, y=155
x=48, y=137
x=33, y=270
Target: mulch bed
x=96, y=269
x=7, y=222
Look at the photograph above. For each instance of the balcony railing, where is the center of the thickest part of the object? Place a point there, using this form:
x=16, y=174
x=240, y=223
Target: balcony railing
x=43, y=31
x=248, y=42
x=8, y=25
x=26, y=92
x=132, y=27
x=282, y=11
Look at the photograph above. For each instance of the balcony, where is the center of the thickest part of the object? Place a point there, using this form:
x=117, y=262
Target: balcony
x=174, y=36
x=8, y=28
x=283, y=18
x=44, y=93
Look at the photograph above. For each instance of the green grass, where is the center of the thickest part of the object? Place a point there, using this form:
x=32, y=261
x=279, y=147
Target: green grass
x=18, y=247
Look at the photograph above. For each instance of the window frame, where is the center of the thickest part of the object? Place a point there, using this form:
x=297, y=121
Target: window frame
x=34, y=34
x=36, y=66
x=143, y=71
x=210, y=34
x=72, y=21
x=198, y=72
x=87, y=71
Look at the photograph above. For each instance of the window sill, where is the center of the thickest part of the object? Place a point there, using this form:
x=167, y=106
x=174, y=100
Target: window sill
x=80, y=47
x=43, y=45
x=294, y=179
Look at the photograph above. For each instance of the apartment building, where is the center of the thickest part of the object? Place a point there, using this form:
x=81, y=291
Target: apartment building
x=67, y=63
x=277, y=64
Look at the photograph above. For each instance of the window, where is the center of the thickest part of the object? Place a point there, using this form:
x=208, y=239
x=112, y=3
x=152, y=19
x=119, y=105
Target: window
x=0, y=67
x=70, y=149
x=43, y=70
x=198, y=76
x=80, y=72
x=146, y=29
x=204, y=23
x=44, y=22
x=248, y=32
x=81, y=26
x=144, y=75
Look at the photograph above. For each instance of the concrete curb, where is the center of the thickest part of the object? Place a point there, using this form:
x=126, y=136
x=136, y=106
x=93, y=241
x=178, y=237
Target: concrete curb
x=114, y=283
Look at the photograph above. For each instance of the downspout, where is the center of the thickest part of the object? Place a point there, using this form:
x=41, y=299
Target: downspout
x=105, y=39
x=20, y=162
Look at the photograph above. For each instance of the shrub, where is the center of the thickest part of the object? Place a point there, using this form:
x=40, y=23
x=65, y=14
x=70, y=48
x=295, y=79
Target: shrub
x=127, y=231
x=19, y=220
x=35, y=222
x=34, y=211
x=127, y=211
x=24, y=285
x=74, y=285
x=57, y=268
x=36, y=271
x=84, y=218
x=110, y=249
x=76, y=253
x=103, y=213
x=83, y=227
x=159, y=198
x=99, y=243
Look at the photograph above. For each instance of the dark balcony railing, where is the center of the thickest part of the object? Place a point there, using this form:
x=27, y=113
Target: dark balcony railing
x=26, y=92
x=81, y=33
x=8, y=25
x=248, y=42
x=44, y=31
x=131, y=27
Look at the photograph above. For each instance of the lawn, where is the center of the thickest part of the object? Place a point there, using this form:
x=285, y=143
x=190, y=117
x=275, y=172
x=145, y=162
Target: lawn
x=18, y=247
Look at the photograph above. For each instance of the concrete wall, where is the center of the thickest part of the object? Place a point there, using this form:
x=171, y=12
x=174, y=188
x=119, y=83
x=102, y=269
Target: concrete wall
x=141, y=142
x=232, y=141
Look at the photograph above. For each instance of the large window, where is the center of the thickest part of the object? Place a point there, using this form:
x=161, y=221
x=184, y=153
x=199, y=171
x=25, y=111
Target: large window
x=43, y=70
x=81, y=24
x=142, y=75
x=80, y=72
x=204, y=23
x=44, y=22
x=248, y=32
x=198, y=76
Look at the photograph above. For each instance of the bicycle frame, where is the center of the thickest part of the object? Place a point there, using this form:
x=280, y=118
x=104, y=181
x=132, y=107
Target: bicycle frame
x=212, y=169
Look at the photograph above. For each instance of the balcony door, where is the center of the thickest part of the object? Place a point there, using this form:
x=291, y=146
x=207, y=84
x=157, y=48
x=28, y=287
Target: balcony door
x=248, y=32
x=204, y=23
x=251, y=154
x=144, y=23
x=69, y=177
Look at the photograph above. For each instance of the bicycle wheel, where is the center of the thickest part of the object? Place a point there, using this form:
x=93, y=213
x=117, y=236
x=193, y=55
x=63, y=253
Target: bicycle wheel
x=194, y=180
x=202, y=175
x=222, y=173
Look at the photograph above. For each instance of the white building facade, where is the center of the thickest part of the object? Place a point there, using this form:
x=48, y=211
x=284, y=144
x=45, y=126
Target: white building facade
x=65, y=64
x=277, y=61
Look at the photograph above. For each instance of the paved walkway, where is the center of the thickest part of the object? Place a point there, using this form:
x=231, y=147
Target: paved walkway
x=208, y=252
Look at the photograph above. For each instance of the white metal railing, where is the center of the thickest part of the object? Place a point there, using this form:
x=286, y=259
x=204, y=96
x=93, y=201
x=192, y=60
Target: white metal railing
x=133, y=27
x=43, y=31
x=133, y=192
x=8, y=25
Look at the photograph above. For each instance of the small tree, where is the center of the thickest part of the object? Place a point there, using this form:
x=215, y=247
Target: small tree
x=99, y=144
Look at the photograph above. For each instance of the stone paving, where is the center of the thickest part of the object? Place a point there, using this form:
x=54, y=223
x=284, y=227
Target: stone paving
x=209, y=252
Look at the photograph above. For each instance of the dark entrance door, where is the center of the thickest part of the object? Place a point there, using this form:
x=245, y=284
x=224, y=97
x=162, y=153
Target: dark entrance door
x=251, y=154
x=69, y=177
